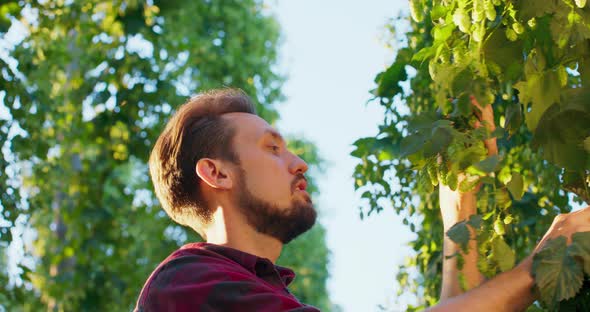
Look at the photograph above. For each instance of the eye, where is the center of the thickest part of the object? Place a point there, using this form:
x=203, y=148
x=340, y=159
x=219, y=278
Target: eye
x=275, y=148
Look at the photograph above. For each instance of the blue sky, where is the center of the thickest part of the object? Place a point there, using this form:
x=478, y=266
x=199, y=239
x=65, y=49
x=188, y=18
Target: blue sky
x=331, y=53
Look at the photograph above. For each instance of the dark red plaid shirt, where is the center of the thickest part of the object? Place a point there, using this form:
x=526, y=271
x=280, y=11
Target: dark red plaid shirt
x=208, y=277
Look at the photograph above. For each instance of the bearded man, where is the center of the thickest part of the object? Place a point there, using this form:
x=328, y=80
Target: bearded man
x=225, y=172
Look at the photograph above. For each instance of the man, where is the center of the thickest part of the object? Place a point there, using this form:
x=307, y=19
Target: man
x=223, y=171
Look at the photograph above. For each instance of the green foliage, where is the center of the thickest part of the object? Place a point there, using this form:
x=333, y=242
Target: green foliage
x=559, y=268
x=529, y=60
x=90, y=86
x=310, y=267
x=459, y=232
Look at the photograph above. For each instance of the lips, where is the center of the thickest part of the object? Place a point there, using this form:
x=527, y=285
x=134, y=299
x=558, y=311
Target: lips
x=301, y=185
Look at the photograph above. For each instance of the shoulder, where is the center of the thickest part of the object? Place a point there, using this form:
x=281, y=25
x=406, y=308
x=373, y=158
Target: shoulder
x=189, y=273
x=195, y=265
x=193, y=277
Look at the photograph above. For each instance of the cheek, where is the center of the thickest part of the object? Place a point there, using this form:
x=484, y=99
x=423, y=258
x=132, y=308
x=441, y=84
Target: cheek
x=267, y=177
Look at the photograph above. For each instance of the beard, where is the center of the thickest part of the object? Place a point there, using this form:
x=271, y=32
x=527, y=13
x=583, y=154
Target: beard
x=285, y=223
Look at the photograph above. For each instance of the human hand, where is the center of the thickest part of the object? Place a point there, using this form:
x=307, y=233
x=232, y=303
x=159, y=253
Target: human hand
x=566, y=225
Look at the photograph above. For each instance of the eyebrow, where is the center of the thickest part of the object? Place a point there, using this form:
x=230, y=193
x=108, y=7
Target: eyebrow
x=274, y=134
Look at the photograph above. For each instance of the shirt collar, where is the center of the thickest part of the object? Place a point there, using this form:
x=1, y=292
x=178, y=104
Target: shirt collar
x=257, y=265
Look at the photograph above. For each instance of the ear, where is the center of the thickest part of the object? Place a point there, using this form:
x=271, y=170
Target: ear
x=214, y=172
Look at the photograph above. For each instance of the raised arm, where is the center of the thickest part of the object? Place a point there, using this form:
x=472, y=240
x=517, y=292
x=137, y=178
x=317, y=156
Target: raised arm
x=512, y=290
x=509, y=291
x=456, y=207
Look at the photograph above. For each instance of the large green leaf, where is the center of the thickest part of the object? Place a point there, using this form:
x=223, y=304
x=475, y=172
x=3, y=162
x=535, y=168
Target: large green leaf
x=502, y=254
x=515, y=186
x=459, y=233
x=528, y=9
x=395, y=74
x=557, y=275
x=540, y=90
x=580, y=248
x=563, y=130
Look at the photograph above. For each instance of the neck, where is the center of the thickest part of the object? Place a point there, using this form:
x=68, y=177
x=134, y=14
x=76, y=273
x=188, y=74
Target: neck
x=234, y=232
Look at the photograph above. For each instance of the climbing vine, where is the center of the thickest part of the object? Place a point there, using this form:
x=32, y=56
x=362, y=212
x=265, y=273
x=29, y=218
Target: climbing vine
x=530, y=60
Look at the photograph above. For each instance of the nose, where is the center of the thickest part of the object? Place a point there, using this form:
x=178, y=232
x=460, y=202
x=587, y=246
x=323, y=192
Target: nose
x=298, y=165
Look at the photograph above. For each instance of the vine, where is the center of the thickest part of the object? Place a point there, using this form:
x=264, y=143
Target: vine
x=530, y=60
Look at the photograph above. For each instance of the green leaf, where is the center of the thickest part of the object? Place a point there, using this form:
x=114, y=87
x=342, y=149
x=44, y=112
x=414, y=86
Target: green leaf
x=513, y=117
x=515, y=186
x=462, y=106
x=557, y=275
x=459, y=233
x=489, y=164
x=441, y=34
x=424, y=180
x=467, y=185
x=463, y=81
x=388, y=81
x=438, y=11
x=499, y=50
x=563, y=129
x=417, y=10
x=580, y=248
x=503, y=255
x=475, y=221
x=424, y=54
x=470, y=156
x=452, y=180
x=528, y=9
x=541, y=91
x=362, y=146
x=412, y=144
x=439, y=140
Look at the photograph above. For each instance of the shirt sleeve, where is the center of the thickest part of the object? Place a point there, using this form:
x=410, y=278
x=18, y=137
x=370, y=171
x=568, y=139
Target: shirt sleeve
x=196, y=286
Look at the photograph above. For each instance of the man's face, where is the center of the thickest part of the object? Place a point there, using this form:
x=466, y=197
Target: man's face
x=270, y=184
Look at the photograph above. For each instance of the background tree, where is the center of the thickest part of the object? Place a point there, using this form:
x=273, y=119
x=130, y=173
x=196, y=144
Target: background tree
x=529, y=60
x=85, y=92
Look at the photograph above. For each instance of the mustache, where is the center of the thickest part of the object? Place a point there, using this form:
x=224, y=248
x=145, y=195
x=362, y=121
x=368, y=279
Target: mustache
x=298, y=177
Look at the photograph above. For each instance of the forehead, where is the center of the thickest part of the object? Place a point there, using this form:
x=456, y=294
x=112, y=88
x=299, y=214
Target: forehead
x=248, y=126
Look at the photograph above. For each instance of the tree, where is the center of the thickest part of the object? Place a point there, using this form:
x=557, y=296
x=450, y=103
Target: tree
x=527, y=59
x=87, y=91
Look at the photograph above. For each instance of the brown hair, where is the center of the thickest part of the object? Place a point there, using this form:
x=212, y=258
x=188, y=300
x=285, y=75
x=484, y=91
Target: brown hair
x=195, y=131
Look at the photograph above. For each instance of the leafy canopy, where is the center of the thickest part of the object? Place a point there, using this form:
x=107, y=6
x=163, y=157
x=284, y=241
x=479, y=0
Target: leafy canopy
x=530, y=60
x=85, y=94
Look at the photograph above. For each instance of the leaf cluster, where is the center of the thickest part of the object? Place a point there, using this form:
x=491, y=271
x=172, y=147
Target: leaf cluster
x=525, y=58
